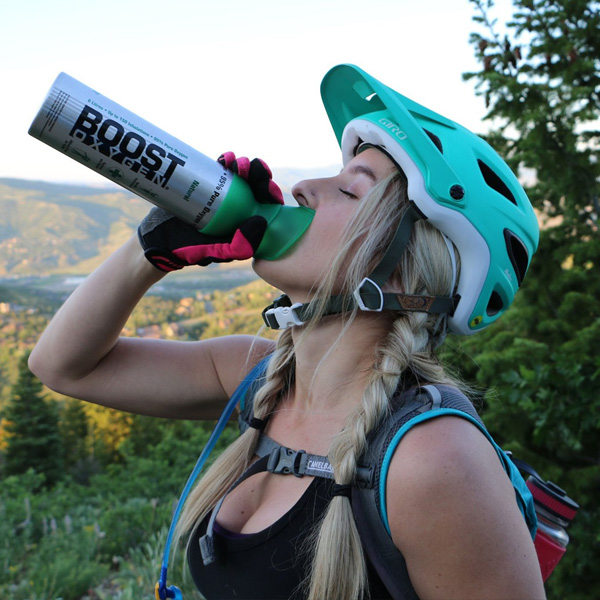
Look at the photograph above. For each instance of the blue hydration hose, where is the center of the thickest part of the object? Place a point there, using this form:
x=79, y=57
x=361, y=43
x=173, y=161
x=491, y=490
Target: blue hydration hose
x=161, y=591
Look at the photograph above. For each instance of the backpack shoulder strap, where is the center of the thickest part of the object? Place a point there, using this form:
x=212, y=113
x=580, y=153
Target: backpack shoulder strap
x=376, y=539
x=523, y=495
x=369, y=503
x=246, y=390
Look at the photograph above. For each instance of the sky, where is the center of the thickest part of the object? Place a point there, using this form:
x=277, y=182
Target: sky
x=240, y=75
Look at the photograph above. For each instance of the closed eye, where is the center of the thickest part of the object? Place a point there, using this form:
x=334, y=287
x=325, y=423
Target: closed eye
x=348, y=194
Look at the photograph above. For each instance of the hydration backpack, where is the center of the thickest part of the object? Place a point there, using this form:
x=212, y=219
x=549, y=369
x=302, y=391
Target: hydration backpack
x=368, y=498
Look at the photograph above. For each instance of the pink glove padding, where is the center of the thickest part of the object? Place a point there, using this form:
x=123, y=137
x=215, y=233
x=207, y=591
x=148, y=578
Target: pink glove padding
x=258, y=175
x=239, y=248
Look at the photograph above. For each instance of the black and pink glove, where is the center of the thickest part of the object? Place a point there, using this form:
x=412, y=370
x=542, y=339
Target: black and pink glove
x=258, y=175
x=170, y=244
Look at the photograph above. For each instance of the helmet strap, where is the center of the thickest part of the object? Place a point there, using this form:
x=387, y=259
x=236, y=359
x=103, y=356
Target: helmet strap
x=369, y=295
x=383, y=271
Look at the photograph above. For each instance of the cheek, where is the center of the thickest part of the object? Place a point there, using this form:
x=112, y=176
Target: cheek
x=311, y=256
x=329, y=226
x=322, y=236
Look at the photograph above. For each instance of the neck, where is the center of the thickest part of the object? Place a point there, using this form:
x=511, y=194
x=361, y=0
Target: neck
x=334, y=360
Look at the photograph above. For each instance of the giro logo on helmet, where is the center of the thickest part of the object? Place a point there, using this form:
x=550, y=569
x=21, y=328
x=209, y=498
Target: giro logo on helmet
x=393, y=128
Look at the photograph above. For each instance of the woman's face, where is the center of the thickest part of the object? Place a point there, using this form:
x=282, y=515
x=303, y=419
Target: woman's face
x=334, y=200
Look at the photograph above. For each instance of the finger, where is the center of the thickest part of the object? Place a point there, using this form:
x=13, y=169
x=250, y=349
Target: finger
x=260, y=180
x=275, y=192
x=242, y=246
x=242, y=167
x=253, y=229
x=226, y=159
x=265, y=167
x=239, y=249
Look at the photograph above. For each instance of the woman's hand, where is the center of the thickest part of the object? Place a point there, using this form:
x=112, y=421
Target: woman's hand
x=170, y=244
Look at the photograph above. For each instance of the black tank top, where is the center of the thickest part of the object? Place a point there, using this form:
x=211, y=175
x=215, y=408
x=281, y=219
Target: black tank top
x=270, y=564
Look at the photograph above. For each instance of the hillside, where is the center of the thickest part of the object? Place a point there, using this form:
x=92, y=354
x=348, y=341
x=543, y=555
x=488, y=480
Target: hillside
x=51, y=229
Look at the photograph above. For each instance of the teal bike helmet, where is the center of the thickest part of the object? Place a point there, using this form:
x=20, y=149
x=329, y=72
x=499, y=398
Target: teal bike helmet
x=455, y=180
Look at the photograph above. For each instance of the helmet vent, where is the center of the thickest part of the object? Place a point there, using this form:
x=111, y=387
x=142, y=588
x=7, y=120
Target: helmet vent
x=495, y=305
x=435, y=139
x=495, y=182
x=517, y=252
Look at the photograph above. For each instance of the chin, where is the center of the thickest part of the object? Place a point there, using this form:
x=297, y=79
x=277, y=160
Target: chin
x=267, y=271
x=284, y=278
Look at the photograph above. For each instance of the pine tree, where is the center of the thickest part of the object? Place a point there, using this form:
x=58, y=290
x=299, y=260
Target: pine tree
x=73, y=432
x=33, y=439
x=540, y=79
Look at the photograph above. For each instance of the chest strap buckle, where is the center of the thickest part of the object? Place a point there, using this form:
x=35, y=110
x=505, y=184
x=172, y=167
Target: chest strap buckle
x=285, y=461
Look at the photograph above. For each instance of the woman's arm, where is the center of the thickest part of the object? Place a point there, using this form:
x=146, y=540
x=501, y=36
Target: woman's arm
x=454, y=516
x=81, y=353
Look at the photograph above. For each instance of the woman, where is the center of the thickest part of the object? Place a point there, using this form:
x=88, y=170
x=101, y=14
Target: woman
x=370, y=290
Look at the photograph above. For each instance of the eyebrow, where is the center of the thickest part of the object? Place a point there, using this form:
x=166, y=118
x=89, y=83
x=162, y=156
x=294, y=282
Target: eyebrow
x=363, y=170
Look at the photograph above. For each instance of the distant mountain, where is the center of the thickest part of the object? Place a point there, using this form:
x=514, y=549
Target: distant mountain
x=50, y=228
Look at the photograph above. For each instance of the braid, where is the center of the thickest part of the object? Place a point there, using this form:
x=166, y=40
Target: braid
x=406, y=348
x=230, y=465
x=344, y=574
x=279, y=376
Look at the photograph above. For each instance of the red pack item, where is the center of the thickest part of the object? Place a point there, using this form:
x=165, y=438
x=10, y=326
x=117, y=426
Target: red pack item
x=555, y=511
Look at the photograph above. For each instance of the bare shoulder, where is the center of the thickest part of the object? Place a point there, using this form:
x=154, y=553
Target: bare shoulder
x=454, y=517
x=235, y=356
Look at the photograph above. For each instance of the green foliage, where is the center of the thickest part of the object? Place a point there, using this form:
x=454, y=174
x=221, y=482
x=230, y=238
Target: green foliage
x=137, y=573
x=540, y=364
x=60, y=543
x=99, y=531
x=31, y=428
x=64, y=565
x=74, y=429
x=47, y=553
x=541, y=83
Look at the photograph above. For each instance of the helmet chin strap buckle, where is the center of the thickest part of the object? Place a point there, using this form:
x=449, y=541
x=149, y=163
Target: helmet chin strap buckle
x=359, y=299
x=283, y=317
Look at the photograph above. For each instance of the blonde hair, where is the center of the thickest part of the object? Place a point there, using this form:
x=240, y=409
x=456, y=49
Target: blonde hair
x=408, y=348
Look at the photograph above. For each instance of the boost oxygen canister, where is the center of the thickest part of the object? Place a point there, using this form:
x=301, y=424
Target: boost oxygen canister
x=555, y=510
x=140, y=157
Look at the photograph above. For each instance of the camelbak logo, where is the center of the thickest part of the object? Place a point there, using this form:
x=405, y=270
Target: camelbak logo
x=130, y=149
x=319, y=465
x=393, y=128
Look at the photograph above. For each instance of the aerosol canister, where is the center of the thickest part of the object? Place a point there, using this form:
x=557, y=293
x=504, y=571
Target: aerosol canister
x=142, y=158
x=555, y=511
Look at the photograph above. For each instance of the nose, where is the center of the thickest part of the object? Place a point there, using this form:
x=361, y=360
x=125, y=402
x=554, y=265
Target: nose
x=301, y=192
x=308, y=191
